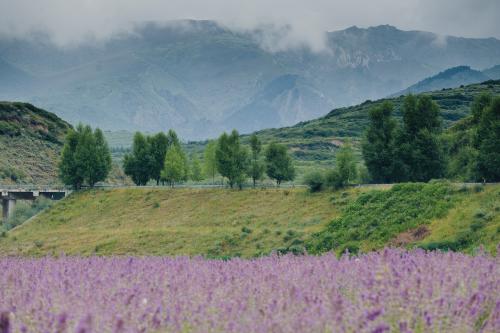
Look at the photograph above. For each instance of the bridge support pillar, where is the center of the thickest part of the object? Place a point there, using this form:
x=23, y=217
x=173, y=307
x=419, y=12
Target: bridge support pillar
x=8, y=206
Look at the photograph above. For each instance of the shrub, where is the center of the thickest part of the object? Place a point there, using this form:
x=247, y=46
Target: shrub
x=315, y=181
x=334, y=180
x=377, y=216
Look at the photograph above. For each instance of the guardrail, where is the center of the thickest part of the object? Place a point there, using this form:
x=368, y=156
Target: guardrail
x=32, y=187
x=41, y=188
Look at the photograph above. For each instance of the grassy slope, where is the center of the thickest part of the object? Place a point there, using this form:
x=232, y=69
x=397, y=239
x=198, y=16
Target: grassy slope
x=432, y=216
x=180, y=221
x=30, y=142
x=251, y=222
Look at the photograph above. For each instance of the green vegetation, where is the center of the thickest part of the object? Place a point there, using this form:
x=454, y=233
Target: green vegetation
x=30, y=142
x=411, y=152
x=344, y=173
x=414, y=214
x=256, y=222
x=85, y=158
x=147, y=159
x=379, y=144
x=472, y=143
x=256, y=167
x=279, y=165
x=313, y=143
x=210, y=161
x=196, y=171
x=164, y=222
x=175, y=168
x=231, y=158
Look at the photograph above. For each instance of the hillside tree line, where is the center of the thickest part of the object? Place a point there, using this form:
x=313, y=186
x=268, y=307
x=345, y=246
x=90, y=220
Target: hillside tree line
x=161, y=158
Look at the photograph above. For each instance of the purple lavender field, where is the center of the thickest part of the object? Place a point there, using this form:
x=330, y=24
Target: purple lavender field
x=390, y=291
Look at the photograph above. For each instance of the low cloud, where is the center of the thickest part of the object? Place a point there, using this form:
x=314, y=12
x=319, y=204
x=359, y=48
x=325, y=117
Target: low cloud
x=295, y=23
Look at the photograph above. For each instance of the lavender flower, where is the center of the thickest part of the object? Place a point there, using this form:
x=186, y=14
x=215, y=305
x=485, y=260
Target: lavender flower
x=393, y=290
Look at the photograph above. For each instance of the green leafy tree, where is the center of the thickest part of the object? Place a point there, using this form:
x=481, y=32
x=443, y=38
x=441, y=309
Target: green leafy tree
x=487, y=141
x=103, y=161
x=479, y=104
x=419, y=155
x=256, y=168
x=279, y=164
x=174, y=169
x=85, y=158
x=68, y=167
x=345, y=167
x=210, y=160
x=378, y=144
x=138, y=163
x=231, y=158
x=173, y=139
x=196, y=170
x=158, y=145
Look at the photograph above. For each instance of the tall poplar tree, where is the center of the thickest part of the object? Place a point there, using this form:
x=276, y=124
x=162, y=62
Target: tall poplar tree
x=378, y=144
x=256, y=168
x=419, y=155
x=231, y=158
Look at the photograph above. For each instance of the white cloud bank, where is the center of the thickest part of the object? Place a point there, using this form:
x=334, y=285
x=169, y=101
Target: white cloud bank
x=73, y=21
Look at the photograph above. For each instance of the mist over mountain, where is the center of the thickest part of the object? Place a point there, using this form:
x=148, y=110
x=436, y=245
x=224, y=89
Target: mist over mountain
x=200, y=77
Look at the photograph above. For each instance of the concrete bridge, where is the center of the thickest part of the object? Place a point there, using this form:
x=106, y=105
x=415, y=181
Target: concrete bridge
x=10, y=194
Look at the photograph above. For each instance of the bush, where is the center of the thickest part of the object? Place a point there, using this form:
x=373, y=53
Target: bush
x=315, y=180
x=334, y=180
x=377, y=216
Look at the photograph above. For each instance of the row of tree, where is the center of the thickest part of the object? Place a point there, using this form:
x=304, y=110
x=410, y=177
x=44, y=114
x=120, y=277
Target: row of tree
x=416, y=150
x=85, y=158
x=161, y=158
x=408, y=152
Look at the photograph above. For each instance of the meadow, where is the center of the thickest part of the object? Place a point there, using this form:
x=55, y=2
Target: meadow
x=387, y=291
x=222, y=223
x=162, y=221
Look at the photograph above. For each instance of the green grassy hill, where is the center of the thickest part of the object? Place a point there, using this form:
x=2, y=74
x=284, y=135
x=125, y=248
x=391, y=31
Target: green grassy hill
x=180, y=221
x=218, y=223
x=313, y=143
x=30, y=143
x=433, y=216
x=316, y=140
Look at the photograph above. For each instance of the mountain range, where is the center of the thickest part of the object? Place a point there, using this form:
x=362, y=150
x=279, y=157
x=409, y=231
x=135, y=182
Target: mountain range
x=200, y=77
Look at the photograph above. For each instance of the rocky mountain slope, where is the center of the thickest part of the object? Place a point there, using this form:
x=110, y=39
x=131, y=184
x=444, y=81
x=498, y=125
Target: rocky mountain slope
x=201, y=78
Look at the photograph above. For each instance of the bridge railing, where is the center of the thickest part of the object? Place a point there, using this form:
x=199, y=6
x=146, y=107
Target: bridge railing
x=29, y=187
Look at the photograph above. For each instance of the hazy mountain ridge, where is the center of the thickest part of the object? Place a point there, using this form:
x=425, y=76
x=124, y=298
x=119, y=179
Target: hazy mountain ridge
x=201, y=78
x=450, y=78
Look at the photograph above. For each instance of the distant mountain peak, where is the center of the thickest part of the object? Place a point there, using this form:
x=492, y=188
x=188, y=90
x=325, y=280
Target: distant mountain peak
x=450, y=78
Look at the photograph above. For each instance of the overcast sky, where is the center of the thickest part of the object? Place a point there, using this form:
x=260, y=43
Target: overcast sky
x=71, y=21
